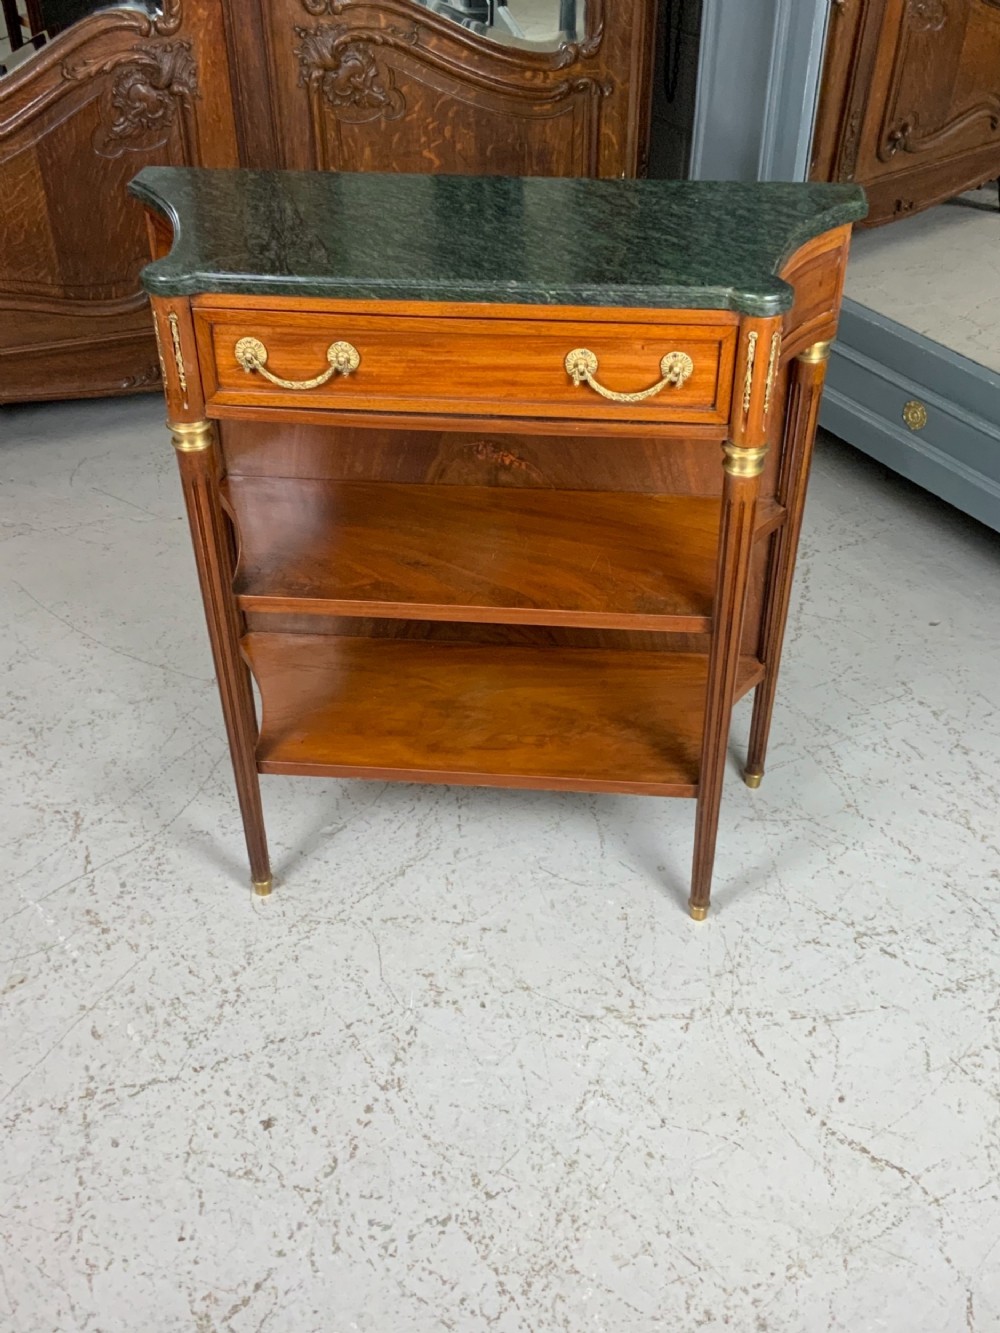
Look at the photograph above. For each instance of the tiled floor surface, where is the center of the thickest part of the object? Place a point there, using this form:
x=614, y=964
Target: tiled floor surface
x=937, y=273
x=472, y=1067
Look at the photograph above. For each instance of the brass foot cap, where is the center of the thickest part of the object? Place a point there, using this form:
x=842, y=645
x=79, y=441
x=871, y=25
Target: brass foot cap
x=697, y=913
x=753, y=779
x=262, y=887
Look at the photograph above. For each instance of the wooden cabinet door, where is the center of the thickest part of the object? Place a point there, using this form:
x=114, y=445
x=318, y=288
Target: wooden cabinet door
x=394, y=86
x=910, y=105
x=113, y=93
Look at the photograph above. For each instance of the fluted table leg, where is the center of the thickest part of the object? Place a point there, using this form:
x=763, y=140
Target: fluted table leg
x=743, y=467
x=199, y=463
x=805, y=394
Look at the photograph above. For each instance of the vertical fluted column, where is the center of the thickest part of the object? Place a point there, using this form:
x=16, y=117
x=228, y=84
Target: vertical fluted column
x=199, y=464
x=739, y=507
x=744, y=457
x=805, y=395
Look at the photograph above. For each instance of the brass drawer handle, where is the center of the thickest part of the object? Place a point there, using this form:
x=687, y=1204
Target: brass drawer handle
x=676, y=368
x=344, y=359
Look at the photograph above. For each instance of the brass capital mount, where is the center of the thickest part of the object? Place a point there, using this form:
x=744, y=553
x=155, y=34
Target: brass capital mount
x=192, y=437
x=744, y=462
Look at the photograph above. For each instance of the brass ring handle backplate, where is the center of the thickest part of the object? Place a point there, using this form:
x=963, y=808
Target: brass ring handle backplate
x=582, y=367
x=343, y=359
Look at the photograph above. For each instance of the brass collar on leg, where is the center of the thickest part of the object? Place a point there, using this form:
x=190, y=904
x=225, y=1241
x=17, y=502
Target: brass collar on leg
x=192, y=437
x=744, y=462
x=817, y=353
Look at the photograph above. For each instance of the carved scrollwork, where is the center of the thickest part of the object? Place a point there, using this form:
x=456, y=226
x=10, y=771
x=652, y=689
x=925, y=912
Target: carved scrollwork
x=571, y=52
x=340, y=65
x=169, y=19
x=143, y=379
x=928, y=15
x=566, y=54
x=899, y=136
x=904, y=130
x=152, y=81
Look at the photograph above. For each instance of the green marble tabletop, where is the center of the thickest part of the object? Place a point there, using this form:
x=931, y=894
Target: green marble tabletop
x=539, y=241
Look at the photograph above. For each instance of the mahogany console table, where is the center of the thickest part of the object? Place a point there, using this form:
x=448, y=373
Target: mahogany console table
x=523, y=515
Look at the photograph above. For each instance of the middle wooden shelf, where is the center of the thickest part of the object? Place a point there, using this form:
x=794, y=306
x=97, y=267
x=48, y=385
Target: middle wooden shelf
x=512, y=555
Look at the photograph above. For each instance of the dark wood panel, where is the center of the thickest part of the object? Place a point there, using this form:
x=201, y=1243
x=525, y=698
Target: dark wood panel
x=575, y=719
x=113, y=93
x=910, y=103
x=317, y=84
x=393, y=86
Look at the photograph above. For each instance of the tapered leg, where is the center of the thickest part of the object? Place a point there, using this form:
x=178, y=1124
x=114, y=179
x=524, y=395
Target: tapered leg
x=805, y=393
x=739, y=505
x=199, y=464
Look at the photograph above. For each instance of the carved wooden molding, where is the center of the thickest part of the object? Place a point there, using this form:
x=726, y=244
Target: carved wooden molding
x=927, y=15
x=35, y=84
x=152, y=83
x=151, y=377
x=560, y=57
x=906, y=136
x=862, y=66
x=28, y=298
x=339, y=65
x=334, y=63
x=901, y=132
x=170, y=18
x=351, y=80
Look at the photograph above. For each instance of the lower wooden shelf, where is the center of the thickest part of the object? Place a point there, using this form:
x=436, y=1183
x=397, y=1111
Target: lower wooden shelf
x=576, y=719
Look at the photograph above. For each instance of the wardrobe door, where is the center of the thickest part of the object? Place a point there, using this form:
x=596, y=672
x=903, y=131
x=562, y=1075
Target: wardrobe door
x=910, y=106
x=446, y=85
x=119, y=89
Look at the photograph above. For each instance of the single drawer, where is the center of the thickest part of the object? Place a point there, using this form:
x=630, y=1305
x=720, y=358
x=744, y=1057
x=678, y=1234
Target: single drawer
x=673, y=371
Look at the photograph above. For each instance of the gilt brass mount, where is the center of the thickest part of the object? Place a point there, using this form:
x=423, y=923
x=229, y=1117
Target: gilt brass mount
x=816, y=354
x=192, y=437
x=582, y=366
x=915, y=414
x=744, y=462
x=344, y=359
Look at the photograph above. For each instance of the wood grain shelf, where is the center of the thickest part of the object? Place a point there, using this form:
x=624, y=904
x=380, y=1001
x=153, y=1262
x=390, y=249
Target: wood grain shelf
x=572, y=719
x=466, y=553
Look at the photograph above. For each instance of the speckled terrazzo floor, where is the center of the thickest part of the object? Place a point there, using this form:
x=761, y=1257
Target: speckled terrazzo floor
x=472, y=1067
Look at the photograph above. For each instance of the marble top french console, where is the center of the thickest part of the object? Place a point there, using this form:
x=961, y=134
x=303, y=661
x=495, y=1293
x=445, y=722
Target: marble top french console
x=494, y=481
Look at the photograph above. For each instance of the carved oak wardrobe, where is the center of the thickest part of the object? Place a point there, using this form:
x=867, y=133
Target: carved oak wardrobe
x=529, y=87
x=910, y=102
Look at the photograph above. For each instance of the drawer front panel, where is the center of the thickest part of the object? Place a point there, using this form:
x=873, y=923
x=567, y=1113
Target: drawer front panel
x=482, y=367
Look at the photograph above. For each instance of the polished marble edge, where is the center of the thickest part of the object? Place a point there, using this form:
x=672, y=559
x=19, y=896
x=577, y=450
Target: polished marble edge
x=537, y=241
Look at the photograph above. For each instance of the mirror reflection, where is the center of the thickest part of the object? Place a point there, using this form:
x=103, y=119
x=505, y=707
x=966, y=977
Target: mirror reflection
x=545, y=23
x=26, y=25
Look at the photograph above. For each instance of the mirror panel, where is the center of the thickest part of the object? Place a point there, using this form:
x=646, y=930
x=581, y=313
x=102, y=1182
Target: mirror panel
x=542, y=24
